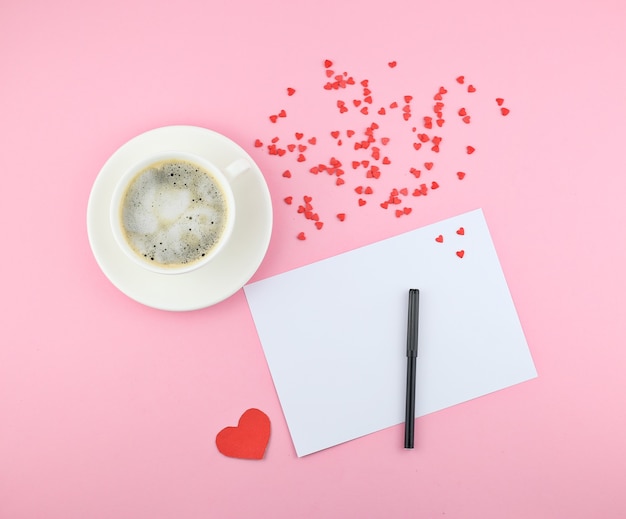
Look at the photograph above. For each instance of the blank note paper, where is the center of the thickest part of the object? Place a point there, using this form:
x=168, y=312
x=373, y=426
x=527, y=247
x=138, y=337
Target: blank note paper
x=334, y=332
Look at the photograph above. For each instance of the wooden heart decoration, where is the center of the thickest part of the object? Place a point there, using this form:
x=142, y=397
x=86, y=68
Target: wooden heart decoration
x=249, y=439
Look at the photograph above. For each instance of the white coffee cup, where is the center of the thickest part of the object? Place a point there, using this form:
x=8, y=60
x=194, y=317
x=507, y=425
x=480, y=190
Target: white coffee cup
x=173, y=212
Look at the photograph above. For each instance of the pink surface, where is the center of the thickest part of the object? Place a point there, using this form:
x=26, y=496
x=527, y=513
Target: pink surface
x=110, y=409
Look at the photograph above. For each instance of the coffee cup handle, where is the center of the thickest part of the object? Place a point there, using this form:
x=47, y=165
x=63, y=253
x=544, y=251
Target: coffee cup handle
x=236, y=168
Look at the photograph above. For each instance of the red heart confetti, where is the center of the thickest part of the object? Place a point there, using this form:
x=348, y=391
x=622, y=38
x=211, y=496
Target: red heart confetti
x=249, y=439
x=460, y=253
x=460, y=231
x=439, y=239
x=370, y=142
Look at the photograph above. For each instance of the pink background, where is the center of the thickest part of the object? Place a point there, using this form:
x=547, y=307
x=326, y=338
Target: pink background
x=110, y=409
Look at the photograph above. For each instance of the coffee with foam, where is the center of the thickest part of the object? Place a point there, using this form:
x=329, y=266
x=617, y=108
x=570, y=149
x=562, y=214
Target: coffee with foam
x=174, y=213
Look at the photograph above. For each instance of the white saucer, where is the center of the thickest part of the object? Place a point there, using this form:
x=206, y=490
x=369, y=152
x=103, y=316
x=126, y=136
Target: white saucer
x=225, y=274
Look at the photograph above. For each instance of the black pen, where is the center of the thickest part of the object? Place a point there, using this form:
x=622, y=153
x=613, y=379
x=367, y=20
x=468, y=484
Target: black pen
x=411, y=361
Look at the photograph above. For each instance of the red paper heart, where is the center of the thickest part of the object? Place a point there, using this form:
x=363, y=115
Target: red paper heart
x=249, y=439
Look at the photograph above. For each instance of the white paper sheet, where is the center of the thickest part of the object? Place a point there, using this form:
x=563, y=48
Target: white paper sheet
x=334, y=332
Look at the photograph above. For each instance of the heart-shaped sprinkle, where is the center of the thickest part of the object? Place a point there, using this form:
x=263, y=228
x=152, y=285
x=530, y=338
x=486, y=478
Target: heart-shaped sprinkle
x=358, y=189
x=291, y=91
x=282, y=113
x=415, y=172
x=404, y=191
x=291, y=147
x=434, y=185
x=428, y=165
x=382, y=111
x=471, y=88
x=460, y=253
x=313, y=140
x=499, y=100
x=407, y=210
x=328, y=63
x=258, y=143
x=349, y=133
x=301, y=236
x=461, y=175
x=287, y=174
x=362, y=202
x=460, y=79
x=288, y=200
x=364, y=110
x=440, y=122
x=392, y=64
x=356, y=102
x=435, y=148
x=384, y=141
x=301, y=158
x=466, y=119
x=462, y=112
x=408, y=99
x=417, y=145
x=504, y=111
x=340, y=181
x=368, y=190
x=393, y=105
x=470, y=150
x=273, y=118
x=335, y=134
x=319, y=225
x=460, y=231
x=341, y=216
x=368, y=100
x=308, y=199
x=439, y=239
x=249, y=439
x=386, y=160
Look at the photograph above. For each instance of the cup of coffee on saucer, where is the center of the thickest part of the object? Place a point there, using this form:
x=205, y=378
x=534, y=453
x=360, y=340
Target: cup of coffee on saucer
x=179, y=218
x=173, y=212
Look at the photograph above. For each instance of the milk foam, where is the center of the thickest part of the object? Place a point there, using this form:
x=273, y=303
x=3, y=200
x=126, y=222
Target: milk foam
x=173, y=213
